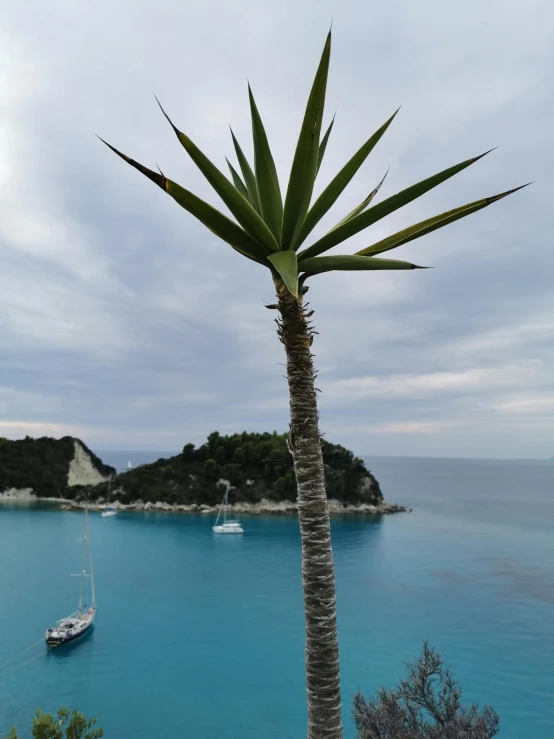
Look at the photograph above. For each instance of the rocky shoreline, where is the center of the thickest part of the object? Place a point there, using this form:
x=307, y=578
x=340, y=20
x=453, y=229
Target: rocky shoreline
x=284, y=507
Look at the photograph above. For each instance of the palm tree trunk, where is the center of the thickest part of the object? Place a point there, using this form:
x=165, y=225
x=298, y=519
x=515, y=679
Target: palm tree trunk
x=318, y=572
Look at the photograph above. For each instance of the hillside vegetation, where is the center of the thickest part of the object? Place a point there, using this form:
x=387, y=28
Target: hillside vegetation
x=257, y=466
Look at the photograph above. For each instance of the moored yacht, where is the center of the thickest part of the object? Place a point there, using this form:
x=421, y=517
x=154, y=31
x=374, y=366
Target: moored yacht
x=109, y=511
x=227, y=527
x=72, y=627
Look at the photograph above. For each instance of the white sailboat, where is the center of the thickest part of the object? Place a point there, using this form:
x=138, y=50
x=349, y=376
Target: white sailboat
x=72, y=627
x=109, y=511
x=227, y=527
x=129, y=465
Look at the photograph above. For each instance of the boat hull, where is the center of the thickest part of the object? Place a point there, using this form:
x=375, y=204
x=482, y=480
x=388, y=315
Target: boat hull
x=227, y=529
x=66, y=640
x=109, y=514
x=63, y=635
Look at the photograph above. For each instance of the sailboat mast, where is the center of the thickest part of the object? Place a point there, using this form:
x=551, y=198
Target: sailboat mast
x=83, y=563
x=226, y=503
x=92, y=595
x=223, y=507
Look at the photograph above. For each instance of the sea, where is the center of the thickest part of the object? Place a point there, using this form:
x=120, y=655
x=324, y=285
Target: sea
x=202, y=636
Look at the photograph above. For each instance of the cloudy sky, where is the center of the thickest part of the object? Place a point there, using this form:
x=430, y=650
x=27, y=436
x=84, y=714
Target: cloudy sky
x=123, y=321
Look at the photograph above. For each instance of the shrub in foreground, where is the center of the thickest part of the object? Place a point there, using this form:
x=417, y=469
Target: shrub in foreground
x=426, y=705
x=67, y=724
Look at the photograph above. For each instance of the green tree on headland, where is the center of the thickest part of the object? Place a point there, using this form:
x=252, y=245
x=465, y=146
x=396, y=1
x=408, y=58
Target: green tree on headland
x=270, y=230
x=220, y=455
x=210, y=468
x=188, y=452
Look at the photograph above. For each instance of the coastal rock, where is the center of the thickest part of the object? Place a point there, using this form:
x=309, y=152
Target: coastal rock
x=18, y=494
x=82, y=470
x=70, y=505
x=287, y=507
x=263, y=507
x=368, y=488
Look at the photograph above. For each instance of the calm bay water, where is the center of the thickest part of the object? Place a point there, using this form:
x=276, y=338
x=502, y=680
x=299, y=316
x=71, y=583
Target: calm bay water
x=202, y=635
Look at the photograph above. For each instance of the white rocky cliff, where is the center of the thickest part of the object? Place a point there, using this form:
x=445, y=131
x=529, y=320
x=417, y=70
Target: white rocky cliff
x=81, y=470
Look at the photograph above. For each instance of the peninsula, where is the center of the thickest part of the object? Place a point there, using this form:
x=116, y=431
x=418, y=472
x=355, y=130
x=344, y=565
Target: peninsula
x=257, y=465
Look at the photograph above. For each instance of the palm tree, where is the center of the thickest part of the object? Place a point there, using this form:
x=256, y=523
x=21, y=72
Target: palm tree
x=272, y=234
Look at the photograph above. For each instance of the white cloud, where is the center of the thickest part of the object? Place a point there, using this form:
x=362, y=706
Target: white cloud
x=400, y=428
x=490, y=379
x=533, y=404
x=514, y=336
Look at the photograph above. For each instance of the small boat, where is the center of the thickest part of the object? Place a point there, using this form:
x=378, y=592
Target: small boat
x=227, y=527
x=129, y=465
x=109, y=511
x=77, y=624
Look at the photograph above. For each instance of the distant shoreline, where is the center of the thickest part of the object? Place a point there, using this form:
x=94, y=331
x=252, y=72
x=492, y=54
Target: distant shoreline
x=283, y=508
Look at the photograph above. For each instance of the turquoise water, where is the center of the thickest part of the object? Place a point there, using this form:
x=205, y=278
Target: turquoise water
x=203, y=636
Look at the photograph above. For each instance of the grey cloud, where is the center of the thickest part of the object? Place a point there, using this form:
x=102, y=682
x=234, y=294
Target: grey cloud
x=122, y=317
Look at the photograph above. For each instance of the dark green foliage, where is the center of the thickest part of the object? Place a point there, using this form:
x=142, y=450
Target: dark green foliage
x=213, y=441
x=188, y=453
x=426, y=705
x=203, y=453
x=280, y=488
x=233, y=473
x=71, y=725
x=257, y=466
x=210, y=469
x=343, y=473
x=42, y=465
x=238, y=456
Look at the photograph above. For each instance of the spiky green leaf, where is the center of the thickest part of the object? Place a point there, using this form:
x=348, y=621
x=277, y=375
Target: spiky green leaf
x=248, y=174
x=237, y=204
x=304, y=165
x=337, y=185
x=323, y=145
x=349, y=262
x=237, y=181
x=374, y=214
x=286, y=264
x=218, y=223
x=269, y=193
x=363, y=205
x=431, y=224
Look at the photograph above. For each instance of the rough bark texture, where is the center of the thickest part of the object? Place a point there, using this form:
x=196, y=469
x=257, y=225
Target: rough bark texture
x=318, y=572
